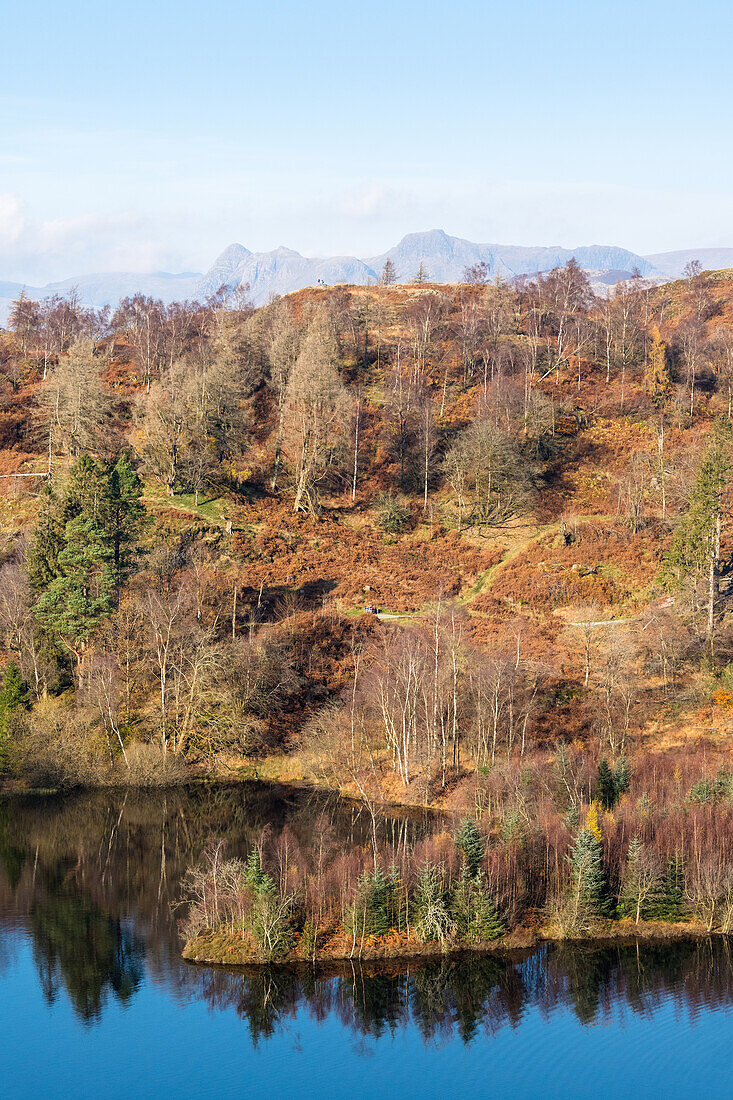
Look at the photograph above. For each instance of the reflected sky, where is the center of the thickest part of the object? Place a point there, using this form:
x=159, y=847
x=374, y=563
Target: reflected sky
x=96, y=1002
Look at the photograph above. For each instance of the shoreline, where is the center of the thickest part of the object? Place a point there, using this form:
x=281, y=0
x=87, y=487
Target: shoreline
x=226, y=779
x=226, y=948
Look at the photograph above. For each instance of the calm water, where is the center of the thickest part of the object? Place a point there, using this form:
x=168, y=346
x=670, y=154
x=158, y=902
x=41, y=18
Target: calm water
x=95, y=1001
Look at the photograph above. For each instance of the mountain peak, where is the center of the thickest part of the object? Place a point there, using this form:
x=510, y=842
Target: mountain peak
x=232, y=256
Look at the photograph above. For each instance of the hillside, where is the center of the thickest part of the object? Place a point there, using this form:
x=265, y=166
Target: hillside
x=266, y=528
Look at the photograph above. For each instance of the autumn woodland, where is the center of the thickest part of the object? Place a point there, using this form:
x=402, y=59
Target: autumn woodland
x=464, y=548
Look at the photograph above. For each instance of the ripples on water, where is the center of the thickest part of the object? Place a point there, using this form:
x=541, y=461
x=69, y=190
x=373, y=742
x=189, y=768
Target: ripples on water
x=95, y=1000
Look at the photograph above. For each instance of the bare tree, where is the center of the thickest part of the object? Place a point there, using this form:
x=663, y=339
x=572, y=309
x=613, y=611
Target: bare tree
x=72, y=402
x=315, y=413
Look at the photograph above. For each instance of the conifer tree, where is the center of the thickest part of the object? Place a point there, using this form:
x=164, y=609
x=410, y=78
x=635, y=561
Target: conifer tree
x=110, y=497
x=14, y=696
x=474, y=911
x=269, y=919
x=389, y=274
x=694, y=557
x=85, y=490
x=622, y=776
x=431, y=919
x=75, y=602
x=471, y=845
x=124, y=517
x=605, y=791
x=255, y=876
x=588, y=899
x=669, y=903
x=48, y=542
x=371, y=913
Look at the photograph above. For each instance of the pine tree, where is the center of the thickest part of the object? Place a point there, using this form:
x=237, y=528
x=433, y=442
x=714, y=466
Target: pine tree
x=75, y=602
x=110, y=497
x=605, y=788
x=422, y=275
x=588, y=899
x=694, y=556
x=85, y=490
x=622, y=776
x=14, y=696
x=657, y=381
x=124, y=517
x=470, y=843
x=474, y=911
x=48, y=542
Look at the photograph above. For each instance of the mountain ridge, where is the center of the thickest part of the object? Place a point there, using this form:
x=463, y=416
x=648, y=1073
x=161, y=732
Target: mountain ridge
x=444, y=257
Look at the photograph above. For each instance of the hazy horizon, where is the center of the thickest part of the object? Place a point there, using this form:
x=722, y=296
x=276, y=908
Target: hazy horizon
x=147, y=139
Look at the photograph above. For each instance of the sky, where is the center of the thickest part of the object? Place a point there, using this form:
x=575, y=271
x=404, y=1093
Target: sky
x=150, y=135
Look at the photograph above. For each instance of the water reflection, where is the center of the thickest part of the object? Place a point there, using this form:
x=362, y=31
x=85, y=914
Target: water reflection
x=91, y=881
x=472, y=996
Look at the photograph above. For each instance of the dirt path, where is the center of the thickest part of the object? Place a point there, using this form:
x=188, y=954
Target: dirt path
x=485, y=580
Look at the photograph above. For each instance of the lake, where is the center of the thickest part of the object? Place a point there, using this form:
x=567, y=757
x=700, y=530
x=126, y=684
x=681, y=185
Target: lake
x=95, y=1000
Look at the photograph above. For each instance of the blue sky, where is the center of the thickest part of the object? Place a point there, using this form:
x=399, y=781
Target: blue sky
x=150, y=135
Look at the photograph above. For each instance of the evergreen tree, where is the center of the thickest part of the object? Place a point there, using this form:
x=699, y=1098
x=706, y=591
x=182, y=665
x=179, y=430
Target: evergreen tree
x=256, y=878
x=48, y=542
x=605, y=787
x=622, y=776
x=14, y=696
x=640, y=890
x=14, y=692
x=124, y=517
x=471, y=845
x=371, y=911
x=110, y=498
x=474, y=911
x=693, y=559
x=269, y=919
x=85, y=490
x=669, y=903
x=588, y=898
x=75, y=602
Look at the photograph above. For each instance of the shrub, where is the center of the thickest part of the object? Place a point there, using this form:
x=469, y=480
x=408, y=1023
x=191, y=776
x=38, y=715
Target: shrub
x=701, y=792
x=393, y=516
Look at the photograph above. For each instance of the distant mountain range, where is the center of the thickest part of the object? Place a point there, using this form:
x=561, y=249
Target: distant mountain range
x=445, y=259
